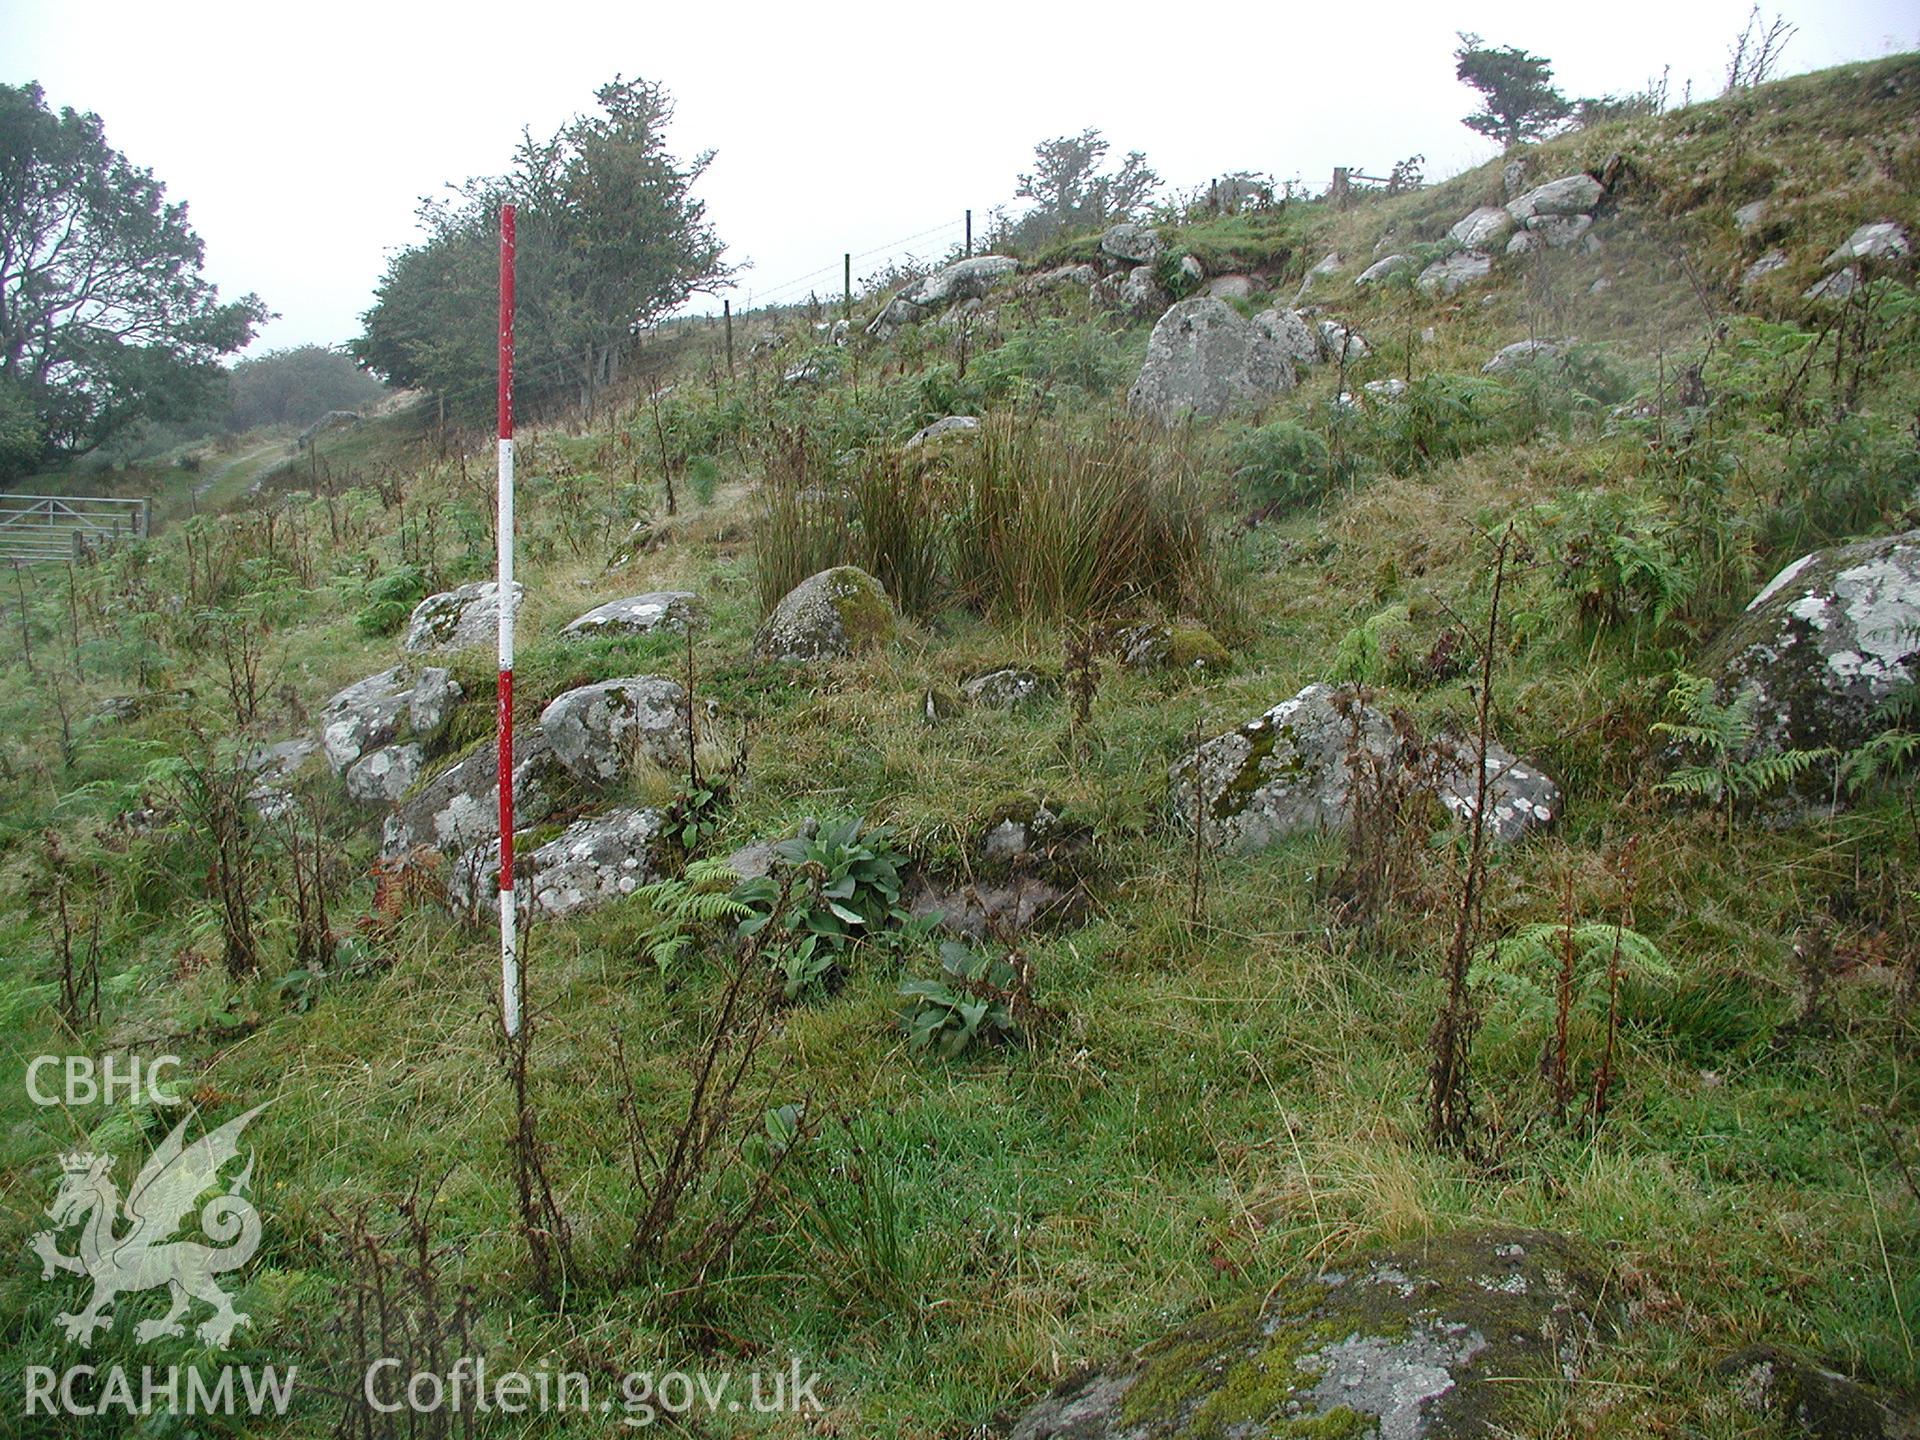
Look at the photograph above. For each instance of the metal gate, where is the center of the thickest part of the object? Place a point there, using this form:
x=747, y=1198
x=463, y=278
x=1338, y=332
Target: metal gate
x=60, y=527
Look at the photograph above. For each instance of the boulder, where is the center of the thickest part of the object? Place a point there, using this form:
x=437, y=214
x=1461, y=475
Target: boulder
x=1290, y=771
x=1138, y=292
x=1002, y=689
x=968, y=279
x=597, y=731
x=364, y=716
x=1288, y=329
x=279, y=762
x=1482, y=229
x=1837, y=286
x=1329, y=264
x=460, y=807
x=1804, y=1399
x=1463, y=267
x=1569, y=195
x=1523, y=352
x=1204, y=359
x=1170, y=647
x=592, y=862
x=989, y=908
x=1750, y=217
x=827, y=616
x=1513, y=178
x=656, y=610
x=1191, y=270
x=1882, y=240
x=1135, y=244
x=1391, y=388
x=1338, y=342
x=1824, y=645
x=1768, y=263
x=382, y=777
x=1230, y=287
x=1062, y=275
x=1434, y=1340
x=951, y=425
x=1556, y=232
x=456, y=619
x=1020, y=832
x=1385, y=269
x=435, y=693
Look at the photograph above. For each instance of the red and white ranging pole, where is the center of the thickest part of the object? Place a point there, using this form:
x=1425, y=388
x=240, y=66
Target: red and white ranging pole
x=503, y=527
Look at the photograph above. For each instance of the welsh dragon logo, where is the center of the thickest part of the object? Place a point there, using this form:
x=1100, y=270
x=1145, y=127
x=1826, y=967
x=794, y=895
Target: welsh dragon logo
x=148, y=1255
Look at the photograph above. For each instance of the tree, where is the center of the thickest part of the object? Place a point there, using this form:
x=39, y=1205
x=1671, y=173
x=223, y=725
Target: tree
x=610, y=239
x=105, y=320
x=1519, y=100
x=1070, y=193
x=296, y=387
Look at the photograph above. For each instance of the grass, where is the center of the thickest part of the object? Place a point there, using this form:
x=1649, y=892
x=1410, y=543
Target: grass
x=1219, y=1106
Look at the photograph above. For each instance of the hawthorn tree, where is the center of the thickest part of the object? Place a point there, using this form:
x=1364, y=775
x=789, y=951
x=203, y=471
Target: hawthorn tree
x=105, y=319
x=610, y=239
x=1519, y=101
x=1069, y=192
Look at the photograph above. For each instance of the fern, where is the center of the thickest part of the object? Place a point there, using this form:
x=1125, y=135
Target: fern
x=702, y=898
x=1509, y=966
x=1727, y=772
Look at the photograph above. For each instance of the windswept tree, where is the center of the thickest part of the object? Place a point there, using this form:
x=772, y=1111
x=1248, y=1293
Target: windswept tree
x=1069, y=192
x=296, y=387
x=610, y=239
x=1519, y=101
x=105, y=319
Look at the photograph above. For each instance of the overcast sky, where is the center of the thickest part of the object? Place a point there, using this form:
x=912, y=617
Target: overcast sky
x=301, y=137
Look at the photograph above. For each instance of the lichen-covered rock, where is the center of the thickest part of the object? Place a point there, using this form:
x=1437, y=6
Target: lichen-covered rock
x=949, y=427
x=1138, y=292
x=591, y=863
x=1749, y=217
x=1170, y=647
x=656, y=610
x=1838, y=286
x=366, y=715
x=1523, y=352
x=826, y=616
x=968, y=279
x=1135, y=244
x=1556, y=232
x=1569, y=195
x=383, y=776
x=1289, y=330
x=1385, y=269
x=1231, y=287
x=1082, y=275
x=1290, y=771
x=274, y=767
x=1881, y=240
x=1806, y=1401
x=598, y=731
x=1482, y=229
x=1204, y=359
x=456, y=619
x=1430, y=1341
x=1824, y=645
x=1339, y=342
x=1459, y=269
x=1768, y=263
x=460, y=807
x=435, y=693
x=1002, y=689
x=989, y=907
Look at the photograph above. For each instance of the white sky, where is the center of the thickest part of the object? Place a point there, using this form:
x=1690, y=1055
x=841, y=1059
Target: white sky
x=302, y=136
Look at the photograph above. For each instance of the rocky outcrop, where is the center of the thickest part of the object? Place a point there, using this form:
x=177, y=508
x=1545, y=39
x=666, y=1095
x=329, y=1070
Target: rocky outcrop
x=1231, y=287
x=365, y=716
x=1556, y=232
x=435, y=693
x=1138, y=292
x=1135, y=244
x=656, y=610
x=459, y=808
x=1482, y=229
x=591, y=863
x=456, y=619
x=1881, y=240
x=969, y=279
x=1768, y=263
x=1290, y=771
x=1385, y=269
x=1824, y=645
x=1423, y=1342
x=1289, y=330
x=1569, y=195
x=598, y=731
x=826, y=616
x=1204, y=359
x=1523, y=352
x=1808, y=1401
x=1338, y=342
x=385, y=775
x=1002, y=689
x=1462, y=268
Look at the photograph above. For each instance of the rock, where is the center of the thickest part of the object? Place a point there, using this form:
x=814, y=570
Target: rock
x=991, y=907
x=1337, y=341
x=1027, y=835
x=969, y=279
x=1203, y=359
x=1289, y=771
x=1523, y=352
x=1014, y=836
x=1422, y=1342
x=456, y=619
x=1482, y=229
x=941, y=429
x=656, y=610
x=1288, y=329
x=1170, y=647
x=1810, y=1401
x=597, y=731
x=1230, y=287
x=1385, y=269
x=808, y=372
x=938, y=706
x=279, y=762
x=1513, y=178
x=1063, y=275
x=1135, y=244
x=1520, y=797
x=435, y=693
x=1824, y=645
x=1837, y=286
x=1002, y=689
x=1882, y=240
x=365, y=716
x=1392, y=388
x=1191, y=270
x=827, y=616
x=1138, y=292
x=1558, y=231
x=755, y=861
x=385, y=775
x=1750, y=217
x=460, y=807
x=1569, y=195
x=1329, y=264
x=1768, y=263
x=1463, y=267
x=591, y=863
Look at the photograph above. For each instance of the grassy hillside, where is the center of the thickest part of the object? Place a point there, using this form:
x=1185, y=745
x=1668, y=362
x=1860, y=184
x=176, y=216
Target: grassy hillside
x=1222, y=1079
